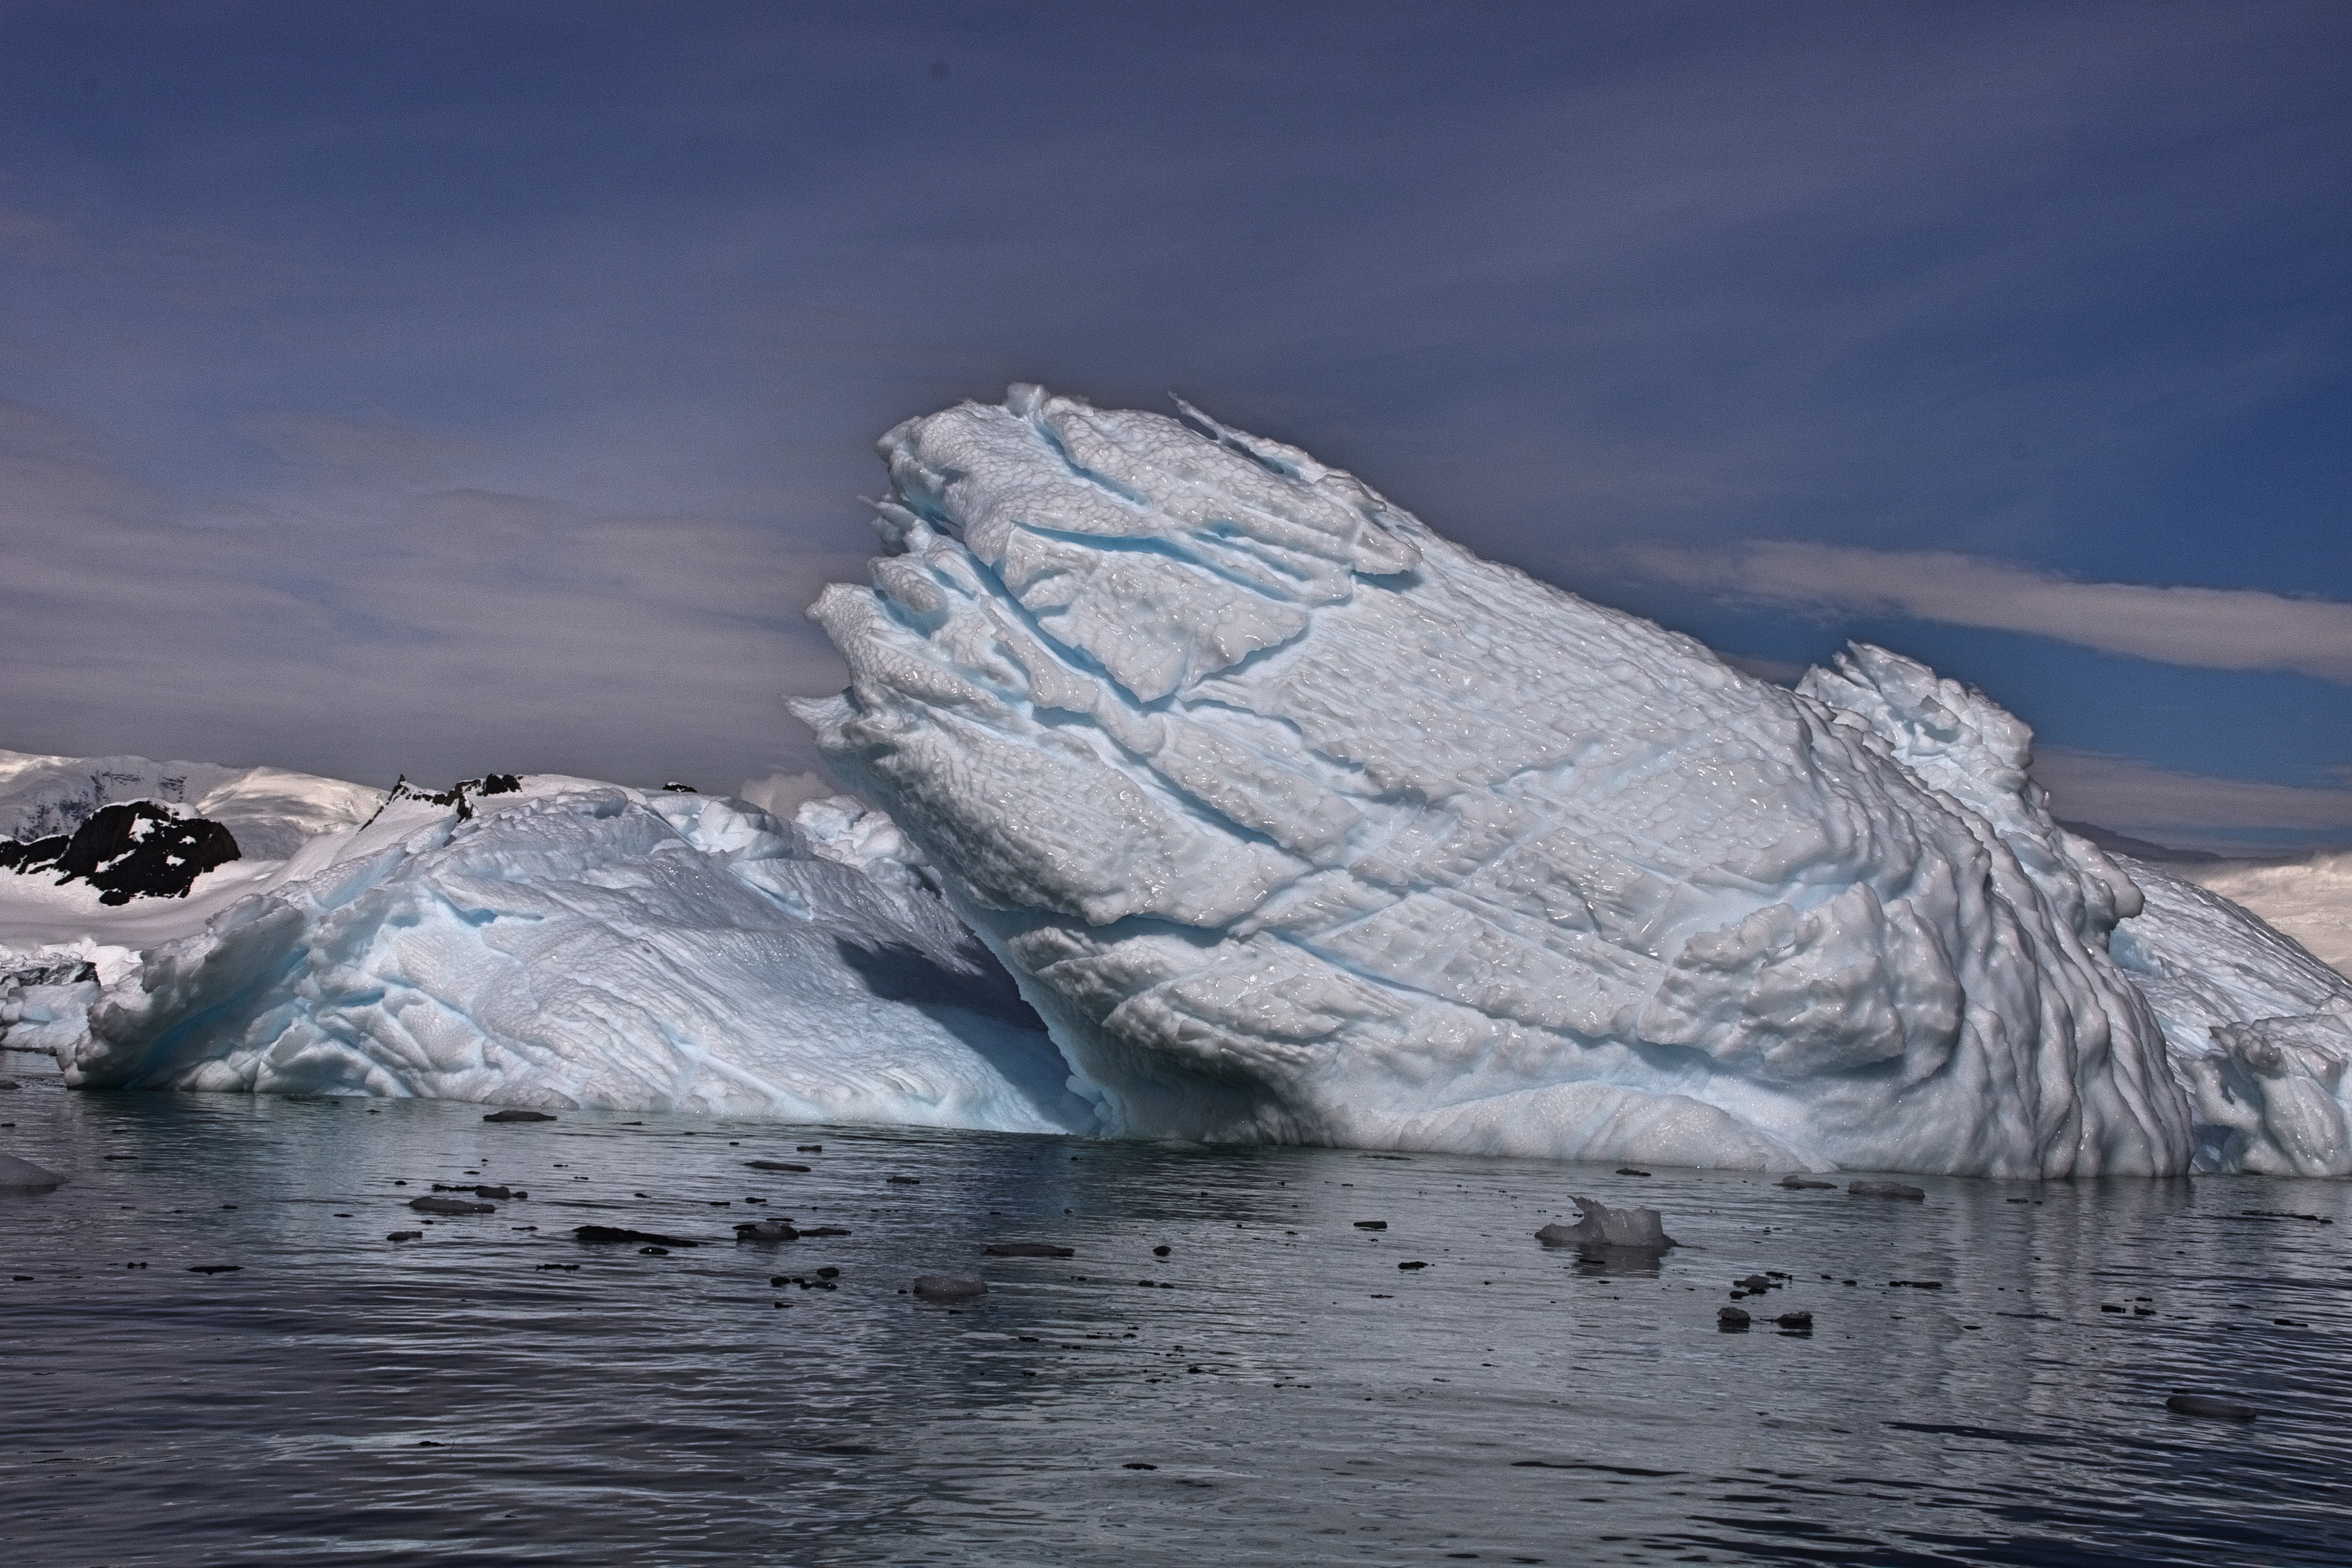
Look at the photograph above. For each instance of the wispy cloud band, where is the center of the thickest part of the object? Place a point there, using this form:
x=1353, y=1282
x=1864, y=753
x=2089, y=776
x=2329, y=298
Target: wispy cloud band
x=2192, y=810
x=2210, y=628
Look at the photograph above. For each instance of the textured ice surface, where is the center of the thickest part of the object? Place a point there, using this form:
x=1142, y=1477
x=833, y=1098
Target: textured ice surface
x=585, y=945
x=2260, y=1030
x=46, y=992
x=1299, y=823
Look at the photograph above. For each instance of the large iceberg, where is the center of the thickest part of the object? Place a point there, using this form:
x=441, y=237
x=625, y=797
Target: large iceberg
x=1293, y=820
x=1298, y=822
x=574, y=943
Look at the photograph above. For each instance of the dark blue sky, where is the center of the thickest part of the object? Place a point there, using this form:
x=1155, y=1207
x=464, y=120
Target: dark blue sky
x=437, y=388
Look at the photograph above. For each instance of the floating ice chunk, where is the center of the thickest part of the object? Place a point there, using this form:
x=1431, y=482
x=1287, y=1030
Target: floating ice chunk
x=45, y=993
x=1299, y=823
x=1632, y=1229
x=1887, y=1190
x=24, y=1176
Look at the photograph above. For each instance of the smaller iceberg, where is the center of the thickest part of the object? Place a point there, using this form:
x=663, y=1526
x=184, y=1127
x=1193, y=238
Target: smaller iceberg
x=570, y=943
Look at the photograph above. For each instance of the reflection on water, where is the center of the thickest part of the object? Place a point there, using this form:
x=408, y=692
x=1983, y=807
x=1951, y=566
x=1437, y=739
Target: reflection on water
x=1273, y=1389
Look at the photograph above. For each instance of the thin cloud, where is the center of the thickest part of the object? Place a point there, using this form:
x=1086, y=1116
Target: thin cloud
x=2192, y=810
x=352, y=627
x=2210, y=628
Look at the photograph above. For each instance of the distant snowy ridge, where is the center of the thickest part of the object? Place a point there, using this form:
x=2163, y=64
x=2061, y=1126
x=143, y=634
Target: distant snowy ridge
x=575, y=943
x=1299, y=823
x=271, y=811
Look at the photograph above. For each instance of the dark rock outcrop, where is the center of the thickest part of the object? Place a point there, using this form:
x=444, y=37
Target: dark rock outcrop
x=129, y=850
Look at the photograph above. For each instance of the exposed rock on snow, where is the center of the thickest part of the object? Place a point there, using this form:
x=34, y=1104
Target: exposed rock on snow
x=271, y=812
x=582, y=944
x=1299, y=823
x=128, y=850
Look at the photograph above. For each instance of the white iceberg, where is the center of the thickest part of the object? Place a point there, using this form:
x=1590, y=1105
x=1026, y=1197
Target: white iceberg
x=582, y=944
x=1299, y=823
x=1294, y=821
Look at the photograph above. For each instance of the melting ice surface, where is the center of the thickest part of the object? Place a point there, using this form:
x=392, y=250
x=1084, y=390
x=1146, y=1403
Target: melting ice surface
x=1299, y=823
x=496, y=1392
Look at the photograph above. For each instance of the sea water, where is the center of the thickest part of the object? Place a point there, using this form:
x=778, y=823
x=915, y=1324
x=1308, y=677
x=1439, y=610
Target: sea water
x=1274, y=1388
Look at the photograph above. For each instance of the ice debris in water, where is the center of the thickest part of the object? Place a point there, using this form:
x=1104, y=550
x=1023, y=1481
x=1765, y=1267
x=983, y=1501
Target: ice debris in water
x=1629, y=1229
x=1887, y=1190
x=24, y=1176
x=1299, y=823
x=574, y=943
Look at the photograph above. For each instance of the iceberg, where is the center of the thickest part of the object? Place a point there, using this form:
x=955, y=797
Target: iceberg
x=568, y=943
x=1298, y=822
x=1205, y=793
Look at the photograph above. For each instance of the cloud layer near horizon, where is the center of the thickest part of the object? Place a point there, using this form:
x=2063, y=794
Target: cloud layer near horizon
x=411, y=620
x=2190, y=811
x=2214, y=628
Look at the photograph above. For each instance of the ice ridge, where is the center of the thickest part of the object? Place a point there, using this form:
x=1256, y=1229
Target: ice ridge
x=1298, y=822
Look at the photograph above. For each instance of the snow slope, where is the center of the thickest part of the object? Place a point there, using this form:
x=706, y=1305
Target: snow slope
x=2310, y=899
x=1298, y=822
x=578, y=943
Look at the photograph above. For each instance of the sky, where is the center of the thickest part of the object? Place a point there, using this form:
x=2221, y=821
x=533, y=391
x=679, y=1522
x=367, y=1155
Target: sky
x=439, y=389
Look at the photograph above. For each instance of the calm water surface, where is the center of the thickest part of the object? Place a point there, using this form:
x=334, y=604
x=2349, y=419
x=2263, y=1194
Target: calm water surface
x=1297, y=1396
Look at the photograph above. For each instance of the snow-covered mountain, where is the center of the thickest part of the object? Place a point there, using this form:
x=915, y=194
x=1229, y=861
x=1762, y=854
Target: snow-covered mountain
x=271, y=811
x=1298, y=822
